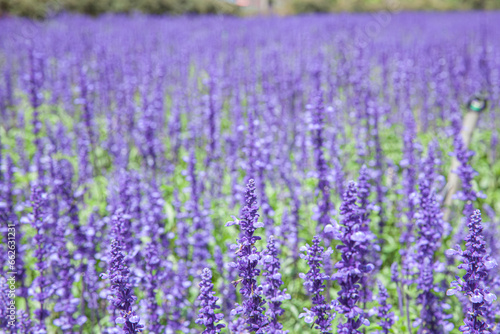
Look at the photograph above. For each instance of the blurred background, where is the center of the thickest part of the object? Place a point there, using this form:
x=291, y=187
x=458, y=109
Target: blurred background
x=45, y=8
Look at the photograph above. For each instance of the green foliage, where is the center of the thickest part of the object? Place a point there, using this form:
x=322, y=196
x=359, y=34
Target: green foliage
x=89, y=7
x=311, y=6
x=41, y=8
x=36, y=9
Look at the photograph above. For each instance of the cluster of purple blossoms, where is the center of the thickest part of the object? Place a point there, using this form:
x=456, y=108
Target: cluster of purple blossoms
x=248, y=258
x=384, y=310
x=430, y=230
x=153, y=266
x=325, y=207
x=272, y=288
x=352, y=267
x=42, y=289
x=207, y=316
x=320, y=313
x=122, y=297
x=371, y=252
x=4, y=302
x=476, y=263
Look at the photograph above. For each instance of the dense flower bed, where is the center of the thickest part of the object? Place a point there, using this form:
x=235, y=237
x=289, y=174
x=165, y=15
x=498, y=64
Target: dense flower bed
x=128, y=143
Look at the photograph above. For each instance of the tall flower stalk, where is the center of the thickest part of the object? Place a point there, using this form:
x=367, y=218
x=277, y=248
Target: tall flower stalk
x=122, y=297
x=320, y=314
x=476, y=263
x=207, y=316
x=325, y=206
x=352, y=267
x=41, y=285
x=430, y=229
x=384, y=310
x=272, y=288
x=252, y=307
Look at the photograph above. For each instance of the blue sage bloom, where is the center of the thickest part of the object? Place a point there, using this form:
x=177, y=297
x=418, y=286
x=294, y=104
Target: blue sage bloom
x=122, y=297
x=430, y=230
x=325, y=206
x=41, y=287
x=320, y=313
x=352, y=267
x=248, y=258
x=384, y=310
x=272, y=288
x=476, y=263
x=207, y=316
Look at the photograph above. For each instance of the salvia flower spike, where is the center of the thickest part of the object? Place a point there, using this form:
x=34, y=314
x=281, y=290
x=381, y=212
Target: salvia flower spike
x=476, y=263
x=122, y=293
x=207, y=316
x=320, y=314
x=252, y=307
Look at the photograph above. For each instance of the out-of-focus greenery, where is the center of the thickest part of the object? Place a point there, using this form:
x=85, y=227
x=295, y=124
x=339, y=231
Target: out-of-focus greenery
x=42, y=8
x=302, y=6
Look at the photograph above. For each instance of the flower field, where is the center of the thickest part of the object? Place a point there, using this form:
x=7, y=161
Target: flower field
x=308, y=174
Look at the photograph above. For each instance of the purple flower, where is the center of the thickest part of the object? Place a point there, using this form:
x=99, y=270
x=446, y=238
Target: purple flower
x=429, y=222
x=201, y=222
x=378, y=164
x=372, y=250
x=363, y=194
x=325, y=206
x=66, y=304
x=320, y=314
x=272, y=288
x=36, y=79
x=383, y=310
x=476, y=263
x=122, y=297
x=178, y=297
x=430, y=230
x=352, y=267
x=248, y=258
x=212, y=119
x=429, y=167
x=151, y=279
x=289, y=228
x=41, y=286
x=409, y=164
x=207, y=316
x=4, y=303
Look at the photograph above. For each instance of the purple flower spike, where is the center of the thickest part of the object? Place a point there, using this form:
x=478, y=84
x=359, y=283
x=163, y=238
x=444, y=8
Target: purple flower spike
x=122, y=297
x=41, y=283
x=352, y=267
x=274, y=295
x=320, y=314
x=430, y=229
x=476, y=263
x=383, y=311
x=325, y=206
x=248, y=258
x=207, y=316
